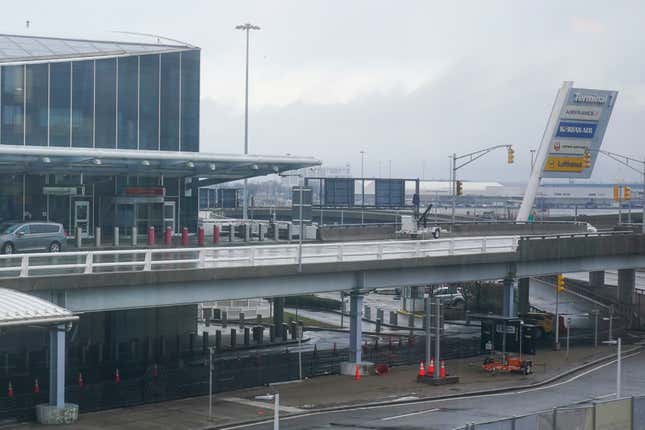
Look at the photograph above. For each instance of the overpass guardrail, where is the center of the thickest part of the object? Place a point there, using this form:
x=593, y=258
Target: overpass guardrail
x=137, y=260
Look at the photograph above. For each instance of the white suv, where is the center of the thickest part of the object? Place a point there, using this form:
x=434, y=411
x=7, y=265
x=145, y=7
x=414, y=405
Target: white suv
x=450, y=296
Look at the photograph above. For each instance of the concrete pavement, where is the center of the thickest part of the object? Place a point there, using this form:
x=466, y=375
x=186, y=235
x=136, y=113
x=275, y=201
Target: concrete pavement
x=325, y=392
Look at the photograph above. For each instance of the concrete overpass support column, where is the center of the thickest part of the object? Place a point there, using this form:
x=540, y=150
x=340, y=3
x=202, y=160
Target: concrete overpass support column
x=355, y=338
x=597, y=278
x=57, y=409
x=278, y=315
x=626, y=285
x=523, y=296
x=355, y=327
x=508, y=300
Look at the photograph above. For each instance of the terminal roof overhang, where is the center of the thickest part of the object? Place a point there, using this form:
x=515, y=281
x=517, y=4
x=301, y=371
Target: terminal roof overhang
x=213, y=168
x=21, y=49
x=19, y=309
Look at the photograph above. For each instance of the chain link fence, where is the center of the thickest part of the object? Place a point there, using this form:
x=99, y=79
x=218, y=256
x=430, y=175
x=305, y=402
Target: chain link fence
x=93, y=383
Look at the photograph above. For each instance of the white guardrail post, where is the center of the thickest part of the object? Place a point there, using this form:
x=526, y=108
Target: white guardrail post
x=417, y=249
x=202, y=258
x=24, y=266
x=252, y=255
x=147, y=262
x=451, y=247
x=339, y=256
x=483, y=244
x=89, y=259
x=379, y=252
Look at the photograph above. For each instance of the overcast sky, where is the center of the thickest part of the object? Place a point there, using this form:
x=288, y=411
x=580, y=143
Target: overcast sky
x=406, y=81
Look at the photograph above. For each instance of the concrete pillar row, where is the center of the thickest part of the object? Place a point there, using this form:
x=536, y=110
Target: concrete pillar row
x=523, y=296
x=597, y=279
x=508, y=301
x=626, y=285
x=355, y=327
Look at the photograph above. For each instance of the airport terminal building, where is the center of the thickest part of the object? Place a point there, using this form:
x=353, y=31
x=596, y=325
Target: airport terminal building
x=97, y=133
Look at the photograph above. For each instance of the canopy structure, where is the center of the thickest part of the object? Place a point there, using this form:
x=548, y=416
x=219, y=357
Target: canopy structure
x=216, y=168
x=18, y=309
x=26, y=48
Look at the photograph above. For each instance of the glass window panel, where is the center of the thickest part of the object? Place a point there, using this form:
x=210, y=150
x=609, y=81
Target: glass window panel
x=149, y=102
x=127, y=115
x=190, y=101
x=82, y=103
x=170, y=102
x=105, y=104
x=12, y=104
x=59, y=102
x=36, y=117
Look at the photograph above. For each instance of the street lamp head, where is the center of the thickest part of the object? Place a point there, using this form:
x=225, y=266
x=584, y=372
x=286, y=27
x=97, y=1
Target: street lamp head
x=247, y=26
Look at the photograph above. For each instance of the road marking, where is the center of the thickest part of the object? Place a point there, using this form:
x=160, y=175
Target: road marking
x=421, y=402
x=264, y=405
x=410, y=414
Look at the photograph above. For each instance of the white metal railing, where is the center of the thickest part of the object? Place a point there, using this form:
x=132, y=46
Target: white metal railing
x=138, y=260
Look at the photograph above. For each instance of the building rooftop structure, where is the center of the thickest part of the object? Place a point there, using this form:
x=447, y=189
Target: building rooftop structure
x=24, y=49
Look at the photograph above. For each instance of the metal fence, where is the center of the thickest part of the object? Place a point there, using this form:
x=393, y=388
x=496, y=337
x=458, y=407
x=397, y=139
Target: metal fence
x=136, y=260
x=624, y=414
x=94, y=384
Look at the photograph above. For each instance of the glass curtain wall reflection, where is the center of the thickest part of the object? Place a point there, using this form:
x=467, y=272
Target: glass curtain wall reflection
x=36, y=105
x=146, y=102
x=105, y=119
x=13, y=105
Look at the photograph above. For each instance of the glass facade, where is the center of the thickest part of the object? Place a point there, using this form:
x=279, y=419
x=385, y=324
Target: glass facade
x=147, y=102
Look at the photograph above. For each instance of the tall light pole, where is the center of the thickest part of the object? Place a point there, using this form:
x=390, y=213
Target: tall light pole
x=245, y=194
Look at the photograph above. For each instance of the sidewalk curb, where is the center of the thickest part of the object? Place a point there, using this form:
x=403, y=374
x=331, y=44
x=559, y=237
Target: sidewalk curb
x=547, y=381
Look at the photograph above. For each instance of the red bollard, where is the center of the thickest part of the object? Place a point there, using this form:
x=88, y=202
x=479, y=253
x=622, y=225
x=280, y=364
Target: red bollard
x=36, y=387
x=215, y=234
x=117, y=377
x=201, y=236
x=81, y=382
x=167, y=236
x=155, y=370
x=184, y=236
x=151, y=236
x=10, y=390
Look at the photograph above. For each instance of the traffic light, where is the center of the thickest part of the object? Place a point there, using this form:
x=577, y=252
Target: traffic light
x=510, y=155
x=560, y=283
x=616, y=193
x=460, y=188
x=586, y=161
x=627, y=193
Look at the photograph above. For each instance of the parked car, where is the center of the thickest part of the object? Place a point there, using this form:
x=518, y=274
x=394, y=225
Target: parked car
x=20, y=236
x=450, y=296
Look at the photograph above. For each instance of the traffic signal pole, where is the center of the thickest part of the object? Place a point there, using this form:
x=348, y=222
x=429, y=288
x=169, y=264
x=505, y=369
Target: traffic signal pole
x=470, y=157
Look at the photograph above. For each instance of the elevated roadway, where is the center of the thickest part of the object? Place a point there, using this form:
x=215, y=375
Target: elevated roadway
x=110, y=280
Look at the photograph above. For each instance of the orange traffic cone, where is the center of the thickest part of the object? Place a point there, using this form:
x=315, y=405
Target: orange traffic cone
x=117, y=376
x=422, y=371
x=36, y=387
x=442, y=371
x=81, y=383
x=430, y=368
x=10, y=390
x=357, y=375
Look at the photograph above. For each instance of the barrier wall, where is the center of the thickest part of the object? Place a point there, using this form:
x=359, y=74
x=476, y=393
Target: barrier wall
x=621, y=414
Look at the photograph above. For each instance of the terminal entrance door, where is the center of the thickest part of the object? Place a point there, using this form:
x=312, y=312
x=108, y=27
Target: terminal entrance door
x=169, y=215
x=148, y=215
x=82, y=217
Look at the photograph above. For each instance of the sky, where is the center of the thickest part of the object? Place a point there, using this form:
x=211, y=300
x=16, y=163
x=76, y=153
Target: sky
x=408, y=82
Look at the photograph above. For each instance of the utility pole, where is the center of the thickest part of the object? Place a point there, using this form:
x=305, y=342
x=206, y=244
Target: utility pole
x=247, y=28
x=557, y=319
